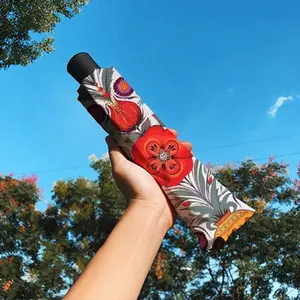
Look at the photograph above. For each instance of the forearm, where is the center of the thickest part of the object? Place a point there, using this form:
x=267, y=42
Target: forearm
x=120, y=267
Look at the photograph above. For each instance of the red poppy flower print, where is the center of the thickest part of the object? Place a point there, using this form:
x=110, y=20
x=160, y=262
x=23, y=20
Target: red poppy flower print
x=125, y=115
x=122, y=88
x=163, y=156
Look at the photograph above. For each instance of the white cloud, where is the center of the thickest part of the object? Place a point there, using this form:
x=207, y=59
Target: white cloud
x=279, y=102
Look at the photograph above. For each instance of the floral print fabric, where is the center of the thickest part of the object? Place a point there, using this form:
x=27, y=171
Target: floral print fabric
x=210, y=210
x=159, y=152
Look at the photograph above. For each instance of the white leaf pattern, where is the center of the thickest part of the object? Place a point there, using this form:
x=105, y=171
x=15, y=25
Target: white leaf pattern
x=201, y=201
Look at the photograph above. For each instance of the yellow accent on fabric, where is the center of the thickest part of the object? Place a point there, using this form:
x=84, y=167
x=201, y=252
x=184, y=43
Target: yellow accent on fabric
x=232, y=222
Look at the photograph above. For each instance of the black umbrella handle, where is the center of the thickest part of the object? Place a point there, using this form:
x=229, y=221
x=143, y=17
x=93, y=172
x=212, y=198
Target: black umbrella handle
x=81, y=65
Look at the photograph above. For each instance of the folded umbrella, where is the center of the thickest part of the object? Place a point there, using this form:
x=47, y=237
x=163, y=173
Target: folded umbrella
x=208, y=208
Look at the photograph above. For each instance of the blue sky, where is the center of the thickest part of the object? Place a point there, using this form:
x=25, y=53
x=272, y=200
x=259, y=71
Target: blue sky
x=210, y=69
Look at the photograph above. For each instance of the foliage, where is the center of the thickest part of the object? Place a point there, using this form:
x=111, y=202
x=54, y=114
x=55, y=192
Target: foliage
x=260, y=261
x=24, y=24
x=267, y=249
x=19, y=238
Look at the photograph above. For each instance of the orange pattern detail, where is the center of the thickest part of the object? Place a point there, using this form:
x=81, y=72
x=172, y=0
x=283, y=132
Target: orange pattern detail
x=231, y=222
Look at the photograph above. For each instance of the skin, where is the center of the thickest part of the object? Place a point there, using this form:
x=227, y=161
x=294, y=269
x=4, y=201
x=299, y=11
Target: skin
x=119, y=268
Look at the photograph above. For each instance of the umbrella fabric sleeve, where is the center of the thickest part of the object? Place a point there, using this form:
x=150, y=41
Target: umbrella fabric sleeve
x=208, y=208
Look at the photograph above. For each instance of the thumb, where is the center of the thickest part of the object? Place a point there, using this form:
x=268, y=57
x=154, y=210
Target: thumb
x=116, y=156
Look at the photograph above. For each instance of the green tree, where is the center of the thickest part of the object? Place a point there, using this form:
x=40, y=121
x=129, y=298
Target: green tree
x=257, y=259
x=19, y=238
x=24, y=25
x=260, y=261
x=265, y=253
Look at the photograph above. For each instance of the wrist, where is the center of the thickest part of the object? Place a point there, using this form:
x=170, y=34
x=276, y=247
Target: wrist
x=162, y=216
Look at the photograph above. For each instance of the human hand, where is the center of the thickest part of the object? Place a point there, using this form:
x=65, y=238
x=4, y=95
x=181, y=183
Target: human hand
x=138, y=186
